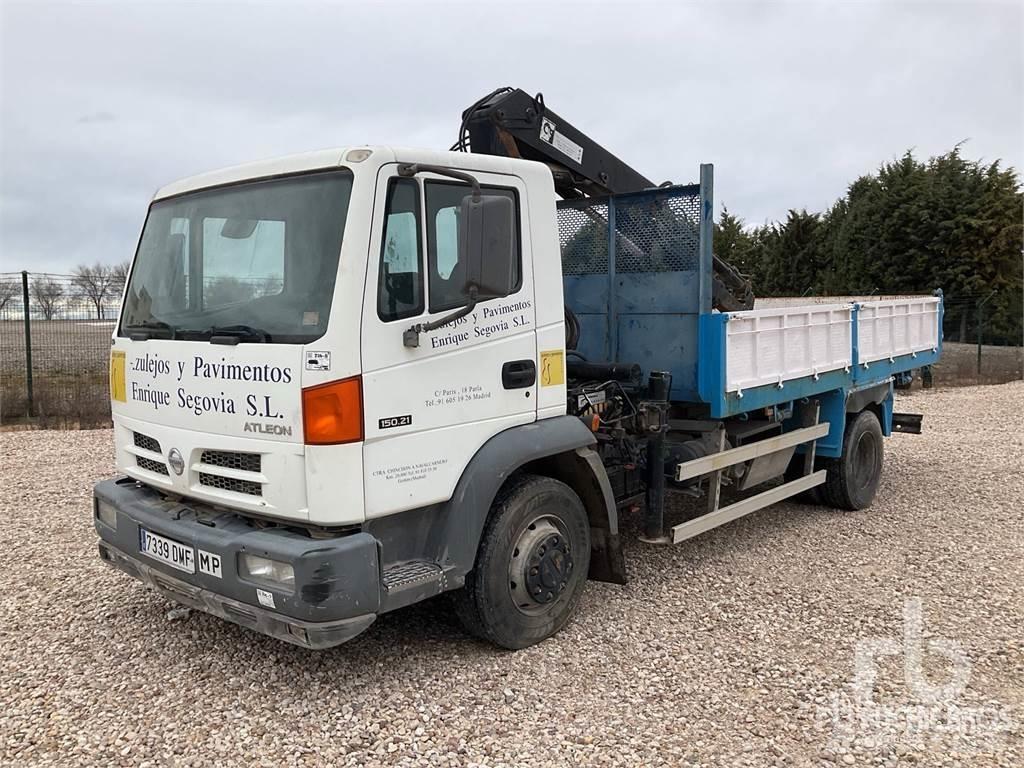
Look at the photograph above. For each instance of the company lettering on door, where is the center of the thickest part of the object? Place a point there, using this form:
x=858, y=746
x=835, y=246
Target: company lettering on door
x=483, y=323
x=159, y=383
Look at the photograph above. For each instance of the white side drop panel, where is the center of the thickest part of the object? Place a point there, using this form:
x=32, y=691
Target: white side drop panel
x=887, y=329
x=770, y=346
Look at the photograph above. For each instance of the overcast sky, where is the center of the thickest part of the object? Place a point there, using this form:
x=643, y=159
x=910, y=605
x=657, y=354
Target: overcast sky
x=103, y=103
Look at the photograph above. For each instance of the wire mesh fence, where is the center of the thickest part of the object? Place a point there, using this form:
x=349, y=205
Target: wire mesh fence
x=53, y=357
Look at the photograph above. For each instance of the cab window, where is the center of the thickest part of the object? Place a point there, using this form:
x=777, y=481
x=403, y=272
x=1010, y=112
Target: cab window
x=447, y=276
x=400, y=281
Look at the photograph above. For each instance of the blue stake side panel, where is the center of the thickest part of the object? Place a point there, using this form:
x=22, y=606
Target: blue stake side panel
x=882, y=369
x=713, y=362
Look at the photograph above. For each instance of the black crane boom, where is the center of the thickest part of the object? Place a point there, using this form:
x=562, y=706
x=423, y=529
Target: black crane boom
x=511, y=123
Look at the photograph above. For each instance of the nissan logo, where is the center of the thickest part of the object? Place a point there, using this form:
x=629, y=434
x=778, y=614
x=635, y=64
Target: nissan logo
x=176, y=461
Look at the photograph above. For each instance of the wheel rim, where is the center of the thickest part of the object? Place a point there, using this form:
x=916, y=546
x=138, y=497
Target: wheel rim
x=866, y=457
x=541, y=565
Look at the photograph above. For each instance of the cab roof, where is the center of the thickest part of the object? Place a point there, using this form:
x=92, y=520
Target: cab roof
x=333, y=158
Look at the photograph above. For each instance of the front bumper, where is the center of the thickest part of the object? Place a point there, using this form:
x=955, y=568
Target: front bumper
x=337, y=580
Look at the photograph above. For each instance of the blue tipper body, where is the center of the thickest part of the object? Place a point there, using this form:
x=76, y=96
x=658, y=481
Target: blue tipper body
x=637, y=272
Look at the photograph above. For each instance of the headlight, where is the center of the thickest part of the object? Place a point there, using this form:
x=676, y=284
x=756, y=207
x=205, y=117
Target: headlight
x=106, y=513
x=272, y=572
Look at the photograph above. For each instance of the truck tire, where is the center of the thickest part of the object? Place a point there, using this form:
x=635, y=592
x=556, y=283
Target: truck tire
x=531, y=565
x=853, y=478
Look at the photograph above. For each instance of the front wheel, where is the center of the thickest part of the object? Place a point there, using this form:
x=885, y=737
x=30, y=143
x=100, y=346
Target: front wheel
x=853, y=478
x=531, y=566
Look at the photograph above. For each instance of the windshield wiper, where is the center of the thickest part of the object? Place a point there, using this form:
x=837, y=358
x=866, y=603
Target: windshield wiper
x=233, y=334
x=144, y=331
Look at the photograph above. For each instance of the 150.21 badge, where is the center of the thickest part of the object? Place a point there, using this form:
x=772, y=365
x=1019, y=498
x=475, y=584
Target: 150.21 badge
x=395, y=421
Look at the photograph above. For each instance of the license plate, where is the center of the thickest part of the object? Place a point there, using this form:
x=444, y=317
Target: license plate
x=167, y=551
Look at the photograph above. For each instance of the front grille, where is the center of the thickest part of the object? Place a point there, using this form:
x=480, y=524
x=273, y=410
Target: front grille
x=146, y=443
x=152, y=466
x=247, y=462
x=230, y=484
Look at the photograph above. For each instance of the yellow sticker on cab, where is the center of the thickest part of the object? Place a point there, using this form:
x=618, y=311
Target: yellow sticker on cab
x=118, y=390
x=552, y=367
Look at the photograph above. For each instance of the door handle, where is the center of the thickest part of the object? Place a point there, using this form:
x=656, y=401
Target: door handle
x=518, y=374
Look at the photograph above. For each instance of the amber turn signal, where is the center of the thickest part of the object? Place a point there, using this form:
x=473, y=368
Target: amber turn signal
x=333, y=413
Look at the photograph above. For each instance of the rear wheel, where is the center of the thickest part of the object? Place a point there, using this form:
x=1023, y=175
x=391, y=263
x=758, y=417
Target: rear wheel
x=853, y=478
x=531, y=566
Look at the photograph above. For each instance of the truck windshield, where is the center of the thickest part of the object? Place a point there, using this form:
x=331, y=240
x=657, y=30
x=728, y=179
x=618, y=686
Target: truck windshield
x=256, y=261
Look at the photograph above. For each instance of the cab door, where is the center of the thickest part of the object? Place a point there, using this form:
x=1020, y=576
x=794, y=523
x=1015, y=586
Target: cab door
x=428, y=409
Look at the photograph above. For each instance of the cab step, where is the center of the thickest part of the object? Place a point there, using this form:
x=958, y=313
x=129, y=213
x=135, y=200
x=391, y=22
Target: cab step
x=405, y=574
x=409, y=582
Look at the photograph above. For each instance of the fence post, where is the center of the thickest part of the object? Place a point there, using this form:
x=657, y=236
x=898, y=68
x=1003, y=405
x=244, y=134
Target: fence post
x=25, y=311
x=981, y=327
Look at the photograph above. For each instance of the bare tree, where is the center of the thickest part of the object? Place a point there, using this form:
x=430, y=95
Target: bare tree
x=47, y=292
x=94, y=283
x=119, y=276
x=8, y=290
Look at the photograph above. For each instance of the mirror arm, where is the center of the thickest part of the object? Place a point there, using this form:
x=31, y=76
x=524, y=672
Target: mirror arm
x=408, y=170
x=411, y=336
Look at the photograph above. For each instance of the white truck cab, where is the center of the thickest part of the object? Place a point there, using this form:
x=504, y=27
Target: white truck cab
x=270, y=387
x=333, y=256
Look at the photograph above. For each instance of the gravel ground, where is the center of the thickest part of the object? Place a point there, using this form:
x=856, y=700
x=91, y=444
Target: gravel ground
x=736, y=648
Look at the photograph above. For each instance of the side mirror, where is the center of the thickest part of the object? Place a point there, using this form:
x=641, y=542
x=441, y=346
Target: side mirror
x=487, y=245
